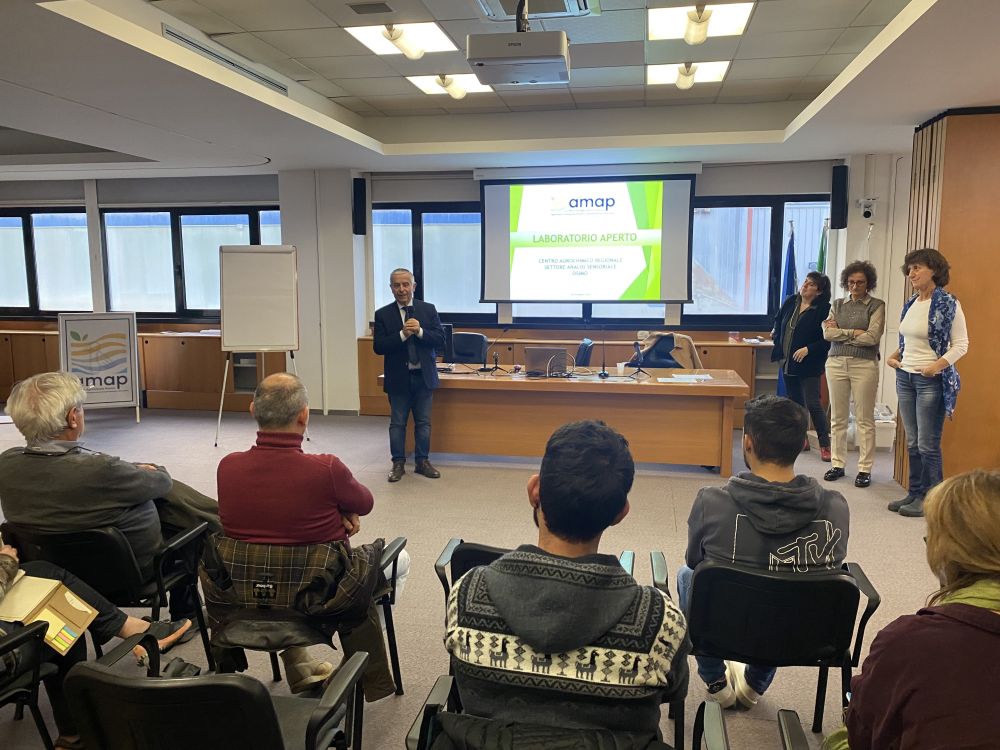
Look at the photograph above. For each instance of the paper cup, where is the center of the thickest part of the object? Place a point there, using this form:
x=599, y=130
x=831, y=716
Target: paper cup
x=621, y=367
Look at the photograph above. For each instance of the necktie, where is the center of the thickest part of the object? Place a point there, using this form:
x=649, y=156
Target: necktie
x=411, y=342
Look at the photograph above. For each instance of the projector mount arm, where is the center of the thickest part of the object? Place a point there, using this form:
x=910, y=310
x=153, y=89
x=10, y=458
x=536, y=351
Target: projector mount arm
x=522, y=16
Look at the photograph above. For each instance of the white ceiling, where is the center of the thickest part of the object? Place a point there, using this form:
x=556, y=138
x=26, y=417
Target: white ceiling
x=812, y=79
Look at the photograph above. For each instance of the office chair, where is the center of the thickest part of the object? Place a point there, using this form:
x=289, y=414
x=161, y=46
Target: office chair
x=778, y=618
x=212, y=711
x=583, y=353
x=104, y=559
x=22, y=690
x=470, y=348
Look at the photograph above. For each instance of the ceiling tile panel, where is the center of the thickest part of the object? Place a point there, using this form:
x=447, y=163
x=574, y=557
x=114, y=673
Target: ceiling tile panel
x=623, y=96
x=774, y=90
x=667, y=94
x=539, y=97
x=430, y=64
x=778, y=67
x=416, y=104
x=803, y=15
x=606, y=55
x=664, y=51
x=250, y=47
x=458, y=30
x=855, y=39
x=880, y=12
x=371, y=88
x=473, y=104
x=202, y=18
x=607, y=5
x=613, y=26
x=831, y=65
x=313, y=42
x=631, y=75
x=355, y=104
x=452, y=10
x=268, y=15
x=293, y=69
x=403, y=11
x=787, y=44
x=325, y=87
x=811, y=86
x=359, y=66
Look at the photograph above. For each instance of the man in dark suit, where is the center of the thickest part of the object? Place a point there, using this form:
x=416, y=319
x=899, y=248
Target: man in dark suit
x=407, y=332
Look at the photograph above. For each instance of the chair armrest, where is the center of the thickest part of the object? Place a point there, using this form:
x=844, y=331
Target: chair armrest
x=390, y=556
x=344, y=689
x=437, y=701
x=124, y=649
x=658, y=563
x=790, y=731
x=33, y=632
x=874, y=600
x=176, y=542
x=627, y=560
x=715, y=736
x=443, y=561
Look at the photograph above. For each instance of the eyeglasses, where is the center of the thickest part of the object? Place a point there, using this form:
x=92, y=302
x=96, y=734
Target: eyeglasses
x=862, y=282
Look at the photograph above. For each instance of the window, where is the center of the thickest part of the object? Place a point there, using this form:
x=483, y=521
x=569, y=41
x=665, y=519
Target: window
x=140, y=261
x=14, y=279
x=392, y=244
x=808, y=217
x=201, y=238
x=453, y=261
x=554, y=310
x=731, y=253
x=639, y=312
x=165, y=263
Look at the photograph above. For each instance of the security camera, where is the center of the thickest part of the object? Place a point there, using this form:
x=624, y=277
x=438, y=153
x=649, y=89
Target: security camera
x=867, y=208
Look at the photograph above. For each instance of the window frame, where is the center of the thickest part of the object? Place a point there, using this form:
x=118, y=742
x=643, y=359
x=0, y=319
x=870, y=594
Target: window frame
x=182, y=313
x=33, y=311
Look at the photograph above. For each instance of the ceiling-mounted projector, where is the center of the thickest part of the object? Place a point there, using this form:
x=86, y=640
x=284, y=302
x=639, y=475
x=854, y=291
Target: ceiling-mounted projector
x=519, y=57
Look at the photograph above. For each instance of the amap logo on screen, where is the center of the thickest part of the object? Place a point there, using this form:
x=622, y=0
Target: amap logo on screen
x=581, y=204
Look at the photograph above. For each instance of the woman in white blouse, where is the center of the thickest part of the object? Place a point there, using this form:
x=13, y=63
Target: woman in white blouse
x=932, y=338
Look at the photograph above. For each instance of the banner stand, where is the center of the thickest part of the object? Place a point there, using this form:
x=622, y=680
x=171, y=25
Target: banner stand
x=102, y=351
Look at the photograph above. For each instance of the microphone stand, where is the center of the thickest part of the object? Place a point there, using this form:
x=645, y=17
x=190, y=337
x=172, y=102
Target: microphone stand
x=604, y=374
x=496, y=357
x=638, y=363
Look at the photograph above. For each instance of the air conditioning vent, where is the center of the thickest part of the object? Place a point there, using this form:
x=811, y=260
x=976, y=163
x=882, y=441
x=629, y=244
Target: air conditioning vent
x=212, y=54
x=506, y=10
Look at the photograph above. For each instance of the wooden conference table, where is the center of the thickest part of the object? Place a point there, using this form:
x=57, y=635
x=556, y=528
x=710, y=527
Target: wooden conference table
x=674, y=422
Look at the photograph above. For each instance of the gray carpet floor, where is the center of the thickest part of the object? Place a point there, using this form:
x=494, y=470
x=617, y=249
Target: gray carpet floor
x=483, y=499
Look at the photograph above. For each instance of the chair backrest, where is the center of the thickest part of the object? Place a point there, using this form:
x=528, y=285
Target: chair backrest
x=469, y=347
x=102, y=557
x=583, y=353
x=137, y=713
x=661, y=354
x=772, y=618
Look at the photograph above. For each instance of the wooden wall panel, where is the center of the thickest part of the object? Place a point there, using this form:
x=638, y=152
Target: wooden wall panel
x=34, y=353
x=6, y=367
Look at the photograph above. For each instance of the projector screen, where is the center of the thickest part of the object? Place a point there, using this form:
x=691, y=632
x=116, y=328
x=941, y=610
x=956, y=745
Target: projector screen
x=620, y=240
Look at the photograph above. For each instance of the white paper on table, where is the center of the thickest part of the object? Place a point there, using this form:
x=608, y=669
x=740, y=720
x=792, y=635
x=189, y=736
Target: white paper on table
x=686, y=378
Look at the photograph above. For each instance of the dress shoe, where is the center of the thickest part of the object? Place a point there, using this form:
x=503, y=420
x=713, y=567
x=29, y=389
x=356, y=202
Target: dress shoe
x=834, y=474
x=398, y=469
x=895, y=505
x=426, y=469
x=914, y=509
x=824, y=454
x=863, y=479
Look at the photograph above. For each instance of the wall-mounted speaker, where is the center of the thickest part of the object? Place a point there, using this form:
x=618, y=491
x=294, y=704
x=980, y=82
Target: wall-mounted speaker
x=838, y=198
x=359, y=205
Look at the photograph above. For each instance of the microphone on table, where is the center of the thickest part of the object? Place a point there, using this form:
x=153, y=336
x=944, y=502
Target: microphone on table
x=496, y=355
x=604, y=352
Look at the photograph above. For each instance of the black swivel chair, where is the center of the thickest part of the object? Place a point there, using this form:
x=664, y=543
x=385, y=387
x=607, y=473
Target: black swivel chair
x=660, y=355
x=443, y=699
x=212, y=711
x=104, y=559
x=583, y=353
x=23, y=690
x=470, y=348
x=778, y=619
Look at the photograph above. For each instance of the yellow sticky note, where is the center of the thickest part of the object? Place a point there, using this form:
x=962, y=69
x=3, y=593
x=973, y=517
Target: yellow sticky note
x=56, y=623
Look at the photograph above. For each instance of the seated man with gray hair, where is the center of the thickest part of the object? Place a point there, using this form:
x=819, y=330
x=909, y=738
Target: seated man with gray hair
x=55, y=484
x=276, y=494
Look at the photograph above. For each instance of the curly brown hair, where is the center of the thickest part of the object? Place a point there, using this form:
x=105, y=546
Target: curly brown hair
x=931, y=258
x=859, y=266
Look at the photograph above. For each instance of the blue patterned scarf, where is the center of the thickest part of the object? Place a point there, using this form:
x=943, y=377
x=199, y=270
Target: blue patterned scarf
x=939, y=322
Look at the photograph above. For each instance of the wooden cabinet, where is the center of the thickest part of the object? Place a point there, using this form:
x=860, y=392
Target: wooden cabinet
x=33, y=353
x=6, y=367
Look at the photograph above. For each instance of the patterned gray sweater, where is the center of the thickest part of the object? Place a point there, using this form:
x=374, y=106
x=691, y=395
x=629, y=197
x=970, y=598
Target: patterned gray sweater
x=540, y=639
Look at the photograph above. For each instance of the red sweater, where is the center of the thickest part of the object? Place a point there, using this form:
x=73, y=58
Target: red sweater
x=276, y=494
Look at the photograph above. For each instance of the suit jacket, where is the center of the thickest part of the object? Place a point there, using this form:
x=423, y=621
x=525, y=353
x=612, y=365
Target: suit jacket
x=388, y=343
x=808, y=333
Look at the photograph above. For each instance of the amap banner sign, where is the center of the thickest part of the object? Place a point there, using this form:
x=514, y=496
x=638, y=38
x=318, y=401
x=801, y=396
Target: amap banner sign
x=101, y=350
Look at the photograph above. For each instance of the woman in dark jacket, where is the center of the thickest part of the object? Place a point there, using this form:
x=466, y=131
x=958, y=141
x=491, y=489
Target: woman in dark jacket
x=799, y=344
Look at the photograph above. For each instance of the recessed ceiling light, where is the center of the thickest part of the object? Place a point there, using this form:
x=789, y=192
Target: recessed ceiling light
x=711, y=20
x=449, y=83
x=703, y=72
x=394, y=38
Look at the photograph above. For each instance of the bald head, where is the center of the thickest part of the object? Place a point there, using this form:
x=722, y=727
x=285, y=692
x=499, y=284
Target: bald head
x=281, y=403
